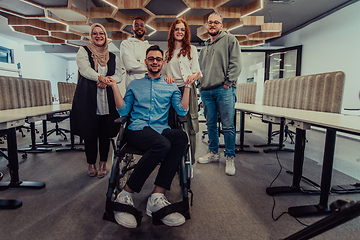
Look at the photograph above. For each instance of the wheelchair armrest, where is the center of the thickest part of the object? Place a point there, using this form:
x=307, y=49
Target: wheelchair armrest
x=182, y=119
x=122, y=119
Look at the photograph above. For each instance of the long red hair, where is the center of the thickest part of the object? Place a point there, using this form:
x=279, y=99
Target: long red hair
x=186, y=46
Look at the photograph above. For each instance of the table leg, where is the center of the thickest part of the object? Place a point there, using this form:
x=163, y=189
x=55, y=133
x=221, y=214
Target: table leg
x=242, y=133
x=33, y=148
x=328, y=160
x=14, y=166
x=281, y=140
x=269, y=143
x=297, y=167
x=45, y=142
x=72, y=145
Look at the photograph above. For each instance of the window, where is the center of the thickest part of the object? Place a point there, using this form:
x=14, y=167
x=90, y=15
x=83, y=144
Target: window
x=6, y=55
x=283, y=63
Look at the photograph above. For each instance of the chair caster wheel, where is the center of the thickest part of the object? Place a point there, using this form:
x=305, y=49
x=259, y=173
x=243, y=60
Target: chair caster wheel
x=24, y=155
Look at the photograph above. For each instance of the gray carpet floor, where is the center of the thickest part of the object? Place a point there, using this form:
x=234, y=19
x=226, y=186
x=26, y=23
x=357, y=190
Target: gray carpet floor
x=72, y=204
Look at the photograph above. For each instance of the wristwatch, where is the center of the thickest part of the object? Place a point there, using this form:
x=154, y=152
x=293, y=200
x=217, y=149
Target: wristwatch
x=188, y=85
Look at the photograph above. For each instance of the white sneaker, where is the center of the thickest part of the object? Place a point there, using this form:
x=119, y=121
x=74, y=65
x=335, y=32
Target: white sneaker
x=209, y=157
x=123, y=218
x=230, y=166
x=157, y=201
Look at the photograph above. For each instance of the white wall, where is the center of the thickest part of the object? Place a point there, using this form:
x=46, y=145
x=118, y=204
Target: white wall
x=36, y=65
x=73, y=69
x=332, y=44
x=253, y=67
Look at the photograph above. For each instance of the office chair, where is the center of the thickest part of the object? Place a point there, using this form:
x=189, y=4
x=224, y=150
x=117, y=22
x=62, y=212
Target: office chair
x=57, y=118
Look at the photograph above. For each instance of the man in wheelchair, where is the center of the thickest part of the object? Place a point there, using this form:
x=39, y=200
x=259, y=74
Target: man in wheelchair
x=148, y=101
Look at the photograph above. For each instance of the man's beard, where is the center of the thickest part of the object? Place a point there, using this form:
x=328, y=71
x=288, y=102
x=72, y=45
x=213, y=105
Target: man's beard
x=139, y=35
x=214, y=34
x=154, y=72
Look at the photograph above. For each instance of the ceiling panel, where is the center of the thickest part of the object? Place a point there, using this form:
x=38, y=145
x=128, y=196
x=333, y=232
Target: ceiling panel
x=22, y=8
x=74, y=17
x=173, y=7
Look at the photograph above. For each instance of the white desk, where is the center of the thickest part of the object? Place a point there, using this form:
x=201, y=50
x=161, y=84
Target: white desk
x=332, y=122
x=302, y=120
x=9, y=120
x=34, y=114
x=270, y=114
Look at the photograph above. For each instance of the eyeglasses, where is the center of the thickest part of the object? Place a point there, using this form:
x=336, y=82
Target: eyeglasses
x=98, y=33
x=215, y=22
x=139, y=25
x=151, y=59
x=179, y=29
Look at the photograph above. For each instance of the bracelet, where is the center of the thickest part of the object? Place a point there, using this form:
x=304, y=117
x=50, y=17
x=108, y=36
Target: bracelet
x=188, y=85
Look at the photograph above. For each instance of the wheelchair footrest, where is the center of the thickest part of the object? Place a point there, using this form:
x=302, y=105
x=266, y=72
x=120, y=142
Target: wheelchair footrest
x=180, y=207
x=119, y=207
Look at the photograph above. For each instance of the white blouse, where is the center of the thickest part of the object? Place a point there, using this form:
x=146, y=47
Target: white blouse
x=179, y=68
x=84, y=66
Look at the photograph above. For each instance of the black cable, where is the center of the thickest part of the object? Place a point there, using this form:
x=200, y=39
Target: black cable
x=273, y=208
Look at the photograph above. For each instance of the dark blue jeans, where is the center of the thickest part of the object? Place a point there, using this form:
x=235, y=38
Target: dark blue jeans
x=167, y=148
x=222, y=101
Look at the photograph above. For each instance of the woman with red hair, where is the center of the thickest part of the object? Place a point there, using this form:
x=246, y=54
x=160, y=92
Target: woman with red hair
x=181, y=66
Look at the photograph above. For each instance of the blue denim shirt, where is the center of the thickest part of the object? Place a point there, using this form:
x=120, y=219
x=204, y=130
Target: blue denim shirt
x=149, y=102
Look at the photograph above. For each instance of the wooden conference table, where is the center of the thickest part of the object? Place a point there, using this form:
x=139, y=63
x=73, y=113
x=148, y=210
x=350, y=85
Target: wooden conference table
x=302, y=120
x=9, y=120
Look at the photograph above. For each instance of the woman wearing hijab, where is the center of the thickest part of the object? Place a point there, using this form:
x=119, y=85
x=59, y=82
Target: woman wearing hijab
x=181, y=64
x=93, y=110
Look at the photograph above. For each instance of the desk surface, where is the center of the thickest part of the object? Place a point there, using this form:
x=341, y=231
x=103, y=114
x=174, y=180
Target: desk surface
x=340, y=122
x=16, y=117
x=34, y=111
x=261, y=109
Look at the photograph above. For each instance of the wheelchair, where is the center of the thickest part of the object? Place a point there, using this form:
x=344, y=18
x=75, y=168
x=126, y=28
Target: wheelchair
x=122, y=167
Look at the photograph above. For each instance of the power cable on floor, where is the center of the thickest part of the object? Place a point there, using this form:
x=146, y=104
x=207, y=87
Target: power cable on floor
x=273, y=208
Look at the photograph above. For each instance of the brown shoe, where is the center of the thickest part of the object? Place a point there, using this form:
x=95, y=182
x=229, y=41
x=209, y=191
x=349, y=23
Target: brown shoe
x=102, y=169
x=92, y=170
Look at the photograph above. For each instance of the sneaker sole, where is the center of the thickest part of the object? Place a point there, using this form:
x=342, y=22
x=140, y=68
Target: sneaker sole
x=213, y=161
x=167, y=223
x=230, y=173
x=124, y=224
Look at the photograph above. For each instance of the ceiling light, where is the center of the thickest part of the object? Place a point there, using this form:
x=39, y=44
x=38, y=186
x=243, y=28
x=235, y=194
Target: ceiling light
x=183, y=12
x=110, y=4
x=261, y=7
x=71, y=44
x=12, y=28
x=235, y=27
x=33, y=4
x=58, y=21
x=154, y=30
x=258, y=44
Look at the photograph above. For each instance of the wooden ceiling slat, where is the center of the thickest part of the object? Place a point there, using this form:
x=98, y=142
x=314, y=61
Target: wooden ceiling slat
x=36, y=26
x=50, y=40
x=31, y=30
x=113, y=26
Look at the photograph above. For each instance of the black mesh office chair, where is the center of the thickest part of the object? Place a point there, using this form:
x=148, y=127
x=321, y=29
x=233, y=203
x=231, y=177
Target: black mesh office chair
x=57, y=118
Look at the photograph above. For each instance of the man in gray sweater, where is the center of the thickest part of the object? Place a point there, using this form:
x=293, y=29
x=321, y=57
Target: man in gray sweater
x=220, y=64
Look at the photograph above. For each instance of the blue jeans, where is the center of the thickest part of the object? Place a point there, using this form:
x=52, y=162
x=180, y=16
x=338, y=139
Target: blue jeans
x=222, y=101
